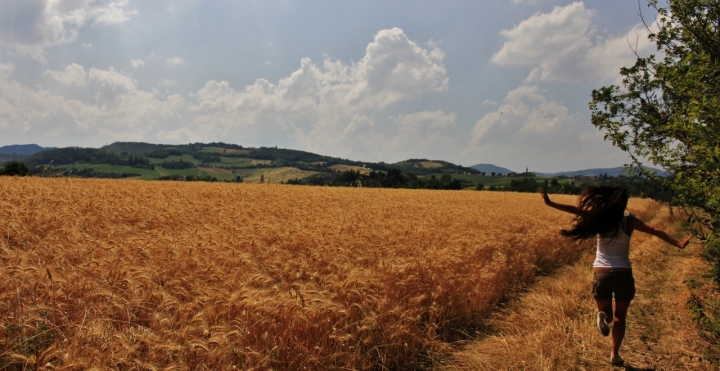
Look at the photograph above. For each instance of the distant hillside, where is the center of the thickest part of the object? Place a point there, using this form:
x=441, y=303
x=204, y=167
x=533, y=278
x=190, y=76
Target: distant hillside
x=233, y=162
x=489, y=168
x=293, y=156
x=141, y=147
x=70, y=155
x=22, y=149
x=424, y=166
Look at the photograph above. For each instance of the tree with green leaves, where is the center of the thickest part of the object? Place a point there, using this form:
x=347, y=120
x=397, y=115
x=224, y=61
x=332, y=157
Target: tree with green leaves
x=15, y=168
x=667, y=112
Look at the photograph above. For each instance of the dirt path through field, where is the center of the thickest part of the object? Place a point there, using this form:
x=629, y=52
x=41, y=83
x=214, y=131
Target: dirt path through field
x=551, y=326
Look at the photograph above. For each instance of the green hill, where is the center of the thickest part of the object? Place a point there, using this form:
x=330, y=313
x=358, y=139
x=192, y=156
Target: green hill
x=71, y=155
x=424, y=167
x=224, y=161
x=489, y=168
x=22, y=149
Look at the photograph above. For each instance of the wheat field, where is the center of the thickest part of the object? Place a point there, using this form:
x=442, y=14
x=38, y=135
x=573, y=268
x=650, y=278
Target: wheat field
x=108, y=274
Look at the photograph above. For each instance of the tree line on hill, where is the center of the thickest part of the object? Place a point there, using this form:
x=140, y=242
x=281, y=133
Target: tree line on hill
x=17, y=168
x=393, y=178
x=71, y=155
x=197, y=178
x=637, y=186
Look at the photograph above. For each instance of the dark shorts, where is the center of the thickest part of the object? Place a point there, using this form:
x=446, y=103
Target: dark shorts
x=607, y=283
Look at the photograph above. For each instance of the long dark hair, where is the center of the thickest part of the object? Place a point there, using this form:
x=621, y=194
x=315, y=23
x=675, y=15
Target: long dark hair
x=601, y=212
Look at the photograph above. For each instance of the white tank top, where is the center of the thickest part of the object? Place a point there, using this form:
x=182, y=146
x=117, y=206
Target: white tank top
x=614, y=251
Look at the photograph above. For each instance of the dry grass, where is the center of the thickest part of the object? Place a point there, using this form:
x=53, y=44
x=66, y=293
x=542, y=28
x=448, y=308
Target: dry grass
x=276, y=175
x=225, y=150
x=430, y=164
x=552, y=326
x=140, y=275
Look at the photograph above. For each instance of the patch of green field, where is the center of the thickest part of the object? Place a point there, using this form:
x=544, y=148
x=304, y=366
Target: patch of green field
x=224, y=161
x=220, y=173
x=273, y=175
x=224, y=165
x=260, y=162
x=185, y=157
x=235, y=160
x=146, y=174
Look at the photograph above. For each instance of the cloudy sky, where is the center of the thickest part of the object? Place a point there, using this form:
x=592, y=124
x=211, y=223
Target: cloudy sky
x=502, y=82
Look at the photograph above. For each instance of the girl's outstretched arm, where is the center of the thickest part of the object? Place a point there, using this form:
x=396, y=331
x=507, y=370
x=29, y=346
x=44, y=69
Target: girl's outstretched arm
x=562, y=207
x=639, y=225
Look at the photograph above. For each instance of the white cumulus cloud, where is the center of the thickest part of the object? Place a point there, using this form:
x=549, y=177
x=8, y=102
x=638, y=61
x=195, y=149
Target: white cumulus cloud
x=330, y=107
x=564, y=45
x=115, y=109
x=430, y=119
x=29, y=26
x=525, y=112
x=166, y=83
x=137, y=63
x=6, y=69
x=74, y=74
x=529, y=128
x=175, y=61
x=333, y=106
x=395, y=67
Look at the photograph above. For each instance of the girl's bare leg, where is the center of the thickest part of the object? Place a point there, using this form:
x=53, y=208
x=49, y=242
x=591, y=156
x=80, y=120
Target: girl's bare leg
x=618, y=329
x=605, y=306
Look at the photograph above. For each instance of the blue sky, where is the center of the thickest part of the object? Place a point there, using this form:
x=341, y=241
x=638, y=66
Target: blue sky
x=502, y=82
